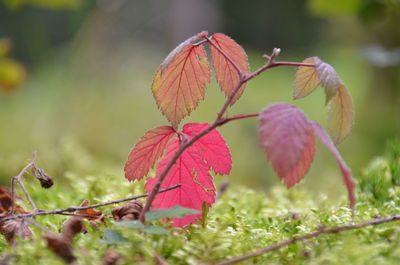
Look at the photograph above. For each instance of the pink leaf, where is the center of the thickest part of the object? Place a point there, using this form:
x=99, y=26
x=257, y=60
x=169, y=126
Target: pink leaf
x=288, y=141
x=346, y=172
x=227, y=76
x=329, y=78
x=212, y=148
x=192, y=172
x=146, y=152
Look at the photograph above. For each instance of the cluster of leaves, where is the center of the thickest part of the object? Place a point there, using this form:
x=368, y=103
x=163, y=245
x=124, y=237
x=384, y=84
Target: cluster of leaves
x=286, y=134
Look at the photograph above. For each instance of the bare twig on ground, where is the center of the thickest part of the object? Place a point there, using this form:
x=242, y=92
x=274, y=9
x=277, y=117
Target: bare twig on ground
x=308, y=236
x=73, y=208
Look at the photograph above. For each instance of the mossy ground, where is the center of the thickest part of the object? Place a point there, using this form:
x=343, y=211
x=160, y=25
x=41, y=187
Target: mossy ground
x=240, y=221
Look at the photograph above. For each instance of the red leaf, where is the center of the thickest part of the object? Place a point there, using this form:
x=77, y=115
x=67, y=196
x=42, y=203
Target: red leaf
x=179, y=83
x=226, y=74
x=192, y=172
x=146, y=152
x=346, y=172
x=288, y=140
x=340, y=115
x=212, y=147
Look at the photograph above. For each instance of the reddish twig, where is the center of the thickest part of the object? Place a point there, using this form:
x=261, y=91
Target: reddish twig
x=308, y=236
x=244, y=77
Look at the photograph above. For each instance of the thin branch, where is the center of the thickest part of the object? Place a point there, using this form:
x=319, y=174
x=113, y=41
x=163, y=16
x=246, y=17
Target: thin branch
x=272, y=64
x=308, y=236
x=243, y=78
x=239, y=117
x=18, y=180
x=73, y=209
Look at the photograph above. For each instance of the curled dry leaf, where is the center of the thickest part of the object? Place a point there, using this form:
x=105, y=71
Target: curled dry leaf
x=227, y=76
x=111, y=257
x=180, y=81
x=17, y=227
x=45, y=180
x=61, y=246
x=94, y=216
x=147, y=151
x=6, y=202
x=288, y=141
x=72, y=227
x=128, y=212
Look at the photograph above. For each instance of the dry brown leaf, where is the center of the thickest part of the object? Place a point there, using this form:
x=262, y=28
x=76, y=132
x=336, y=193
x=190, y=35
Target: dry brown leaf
x=20, y=227
x=127, y=212
x=72, y=227
x=45, y=180
x=6, y=202
x=94, y=216
x=60, y=246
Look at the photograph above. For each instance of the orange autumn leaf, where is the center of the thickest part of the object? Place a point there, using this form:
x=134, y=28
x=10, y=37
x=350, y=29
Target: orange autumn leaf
x=91, y=214
x=226, y=74
x=340, y=115
x=180, y=81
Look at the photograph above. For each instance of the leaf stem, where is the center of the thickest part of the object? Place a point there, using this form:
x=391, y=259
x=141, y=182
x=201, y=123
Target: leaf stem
x=314, y=234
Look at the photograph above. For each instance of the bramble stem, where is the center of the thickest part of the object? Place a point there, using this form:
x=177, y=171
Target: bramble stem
x=309, y=235
x=219, y=120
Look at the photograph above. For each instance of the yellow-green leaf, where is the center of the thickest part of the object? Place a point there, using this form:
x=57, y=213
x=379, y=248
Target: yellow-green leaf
x=340, y=115
x=306, y=79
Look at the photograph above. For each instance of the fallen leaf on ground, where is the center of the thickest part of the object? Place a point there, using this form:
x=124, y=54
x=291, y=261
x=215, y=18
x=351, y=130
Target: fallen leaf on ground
x=127, y=212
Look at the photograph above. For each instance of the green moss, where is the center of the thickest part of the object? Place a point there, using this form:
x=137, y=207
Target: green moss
x=242, y=220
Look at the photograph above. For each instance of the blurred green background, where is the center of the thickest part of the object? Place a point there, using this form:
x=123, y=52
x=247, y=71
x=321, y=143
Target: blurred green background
x=76, y=82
